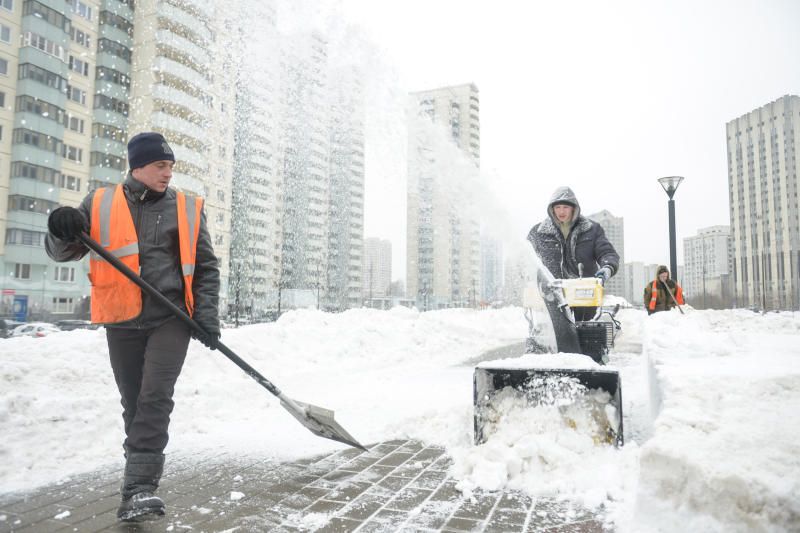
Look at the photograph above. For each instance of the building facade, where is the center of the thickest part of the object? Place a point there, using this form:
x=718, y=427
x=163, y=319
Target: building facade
x=637, y=276
x=763, y=193
x=376, y=270
x=706, y=258
x=615, y=232
x=77, y=79
x=443, y=228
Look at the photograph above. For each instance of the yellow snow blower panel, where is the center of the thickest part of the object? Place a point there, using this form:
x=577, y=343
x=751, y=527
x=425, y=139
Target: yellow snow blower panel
x=583, y=292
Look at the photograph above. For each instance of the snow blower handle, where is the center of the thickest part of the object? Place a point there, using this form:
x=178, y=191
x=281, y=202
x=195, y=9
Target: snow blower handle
x=177, y=311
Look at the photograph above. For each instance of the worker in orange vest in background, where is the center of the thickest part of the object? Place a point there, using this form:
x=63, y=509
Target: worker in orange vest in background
x=162, y=234
x=656, y=297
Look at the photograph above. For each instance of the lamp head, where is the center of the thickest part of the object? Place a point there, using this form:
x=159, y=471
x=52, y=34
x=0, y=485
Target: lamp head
x=670, y=184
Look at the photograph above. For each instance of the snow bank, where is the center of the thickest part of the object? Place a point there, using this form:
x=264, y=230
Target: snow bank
x=710, y=402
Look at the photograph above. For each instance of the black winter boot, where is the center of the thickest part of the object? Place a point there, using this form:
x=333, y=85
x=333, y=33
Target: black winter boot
x=142, y=474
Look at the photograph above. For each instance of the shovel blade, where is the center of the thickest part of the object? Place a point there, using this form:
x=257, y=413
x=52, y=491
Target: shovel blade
x=319, y=421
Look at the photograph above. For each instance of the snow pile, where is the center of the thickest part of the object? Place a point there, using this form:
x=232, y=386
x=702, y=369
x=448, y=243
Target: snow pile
x=710, y=402
x=726, y=437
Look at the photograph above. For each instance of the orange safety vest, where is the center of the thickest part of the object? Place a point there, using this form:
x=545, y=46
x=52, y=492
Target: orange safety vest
x=115, y=298
x=654, y=294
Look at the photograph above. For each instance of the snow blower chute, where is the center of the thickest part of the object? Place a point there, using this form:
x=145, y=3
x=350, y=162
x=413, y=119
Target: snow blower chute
x=550, y=308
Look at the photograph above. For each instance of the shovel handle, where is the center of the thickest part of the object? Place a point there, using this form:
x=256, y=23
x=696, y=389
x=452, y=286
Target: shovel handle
x=177, y=311
x=666, y=288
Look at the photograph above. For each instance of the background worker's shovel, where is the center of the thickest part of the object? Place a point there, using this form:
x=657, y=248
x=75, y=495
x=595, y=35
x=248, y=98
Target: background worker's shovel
x=318, y=420
x=666, y=289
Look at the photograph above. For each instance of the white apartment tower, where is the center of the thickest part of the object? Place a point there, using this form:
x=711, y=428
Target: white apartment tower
x=614, y=228
x=346, y=199
x=706, y=260
x=765, y=217
x=443, y=244
x=182, y=85
x=376, y=270
x=256, y=225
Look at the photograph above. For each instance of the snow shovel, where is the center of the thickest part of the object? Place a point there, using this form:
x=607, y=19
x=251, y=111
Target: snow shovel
x=318, y=420
x=666, y=289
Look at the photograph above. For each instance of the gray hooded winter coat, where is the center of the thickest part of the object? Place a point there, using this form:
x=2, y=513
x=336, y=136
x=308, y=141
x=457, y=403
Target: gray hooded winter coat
x=586, y=243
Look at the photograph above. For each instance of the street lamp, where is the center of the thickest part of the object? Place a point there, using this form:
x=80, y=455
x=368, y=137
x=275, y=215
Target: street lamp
x=670, y=185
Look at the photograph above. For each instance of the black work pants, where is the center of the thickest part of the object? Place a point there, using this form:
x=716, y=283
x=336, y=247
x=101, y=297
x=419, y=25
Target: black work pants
x=146, y=364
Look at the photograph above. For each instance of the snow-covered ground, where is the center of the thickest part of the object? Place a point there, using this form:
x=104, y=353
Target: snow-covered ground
x=710, y=399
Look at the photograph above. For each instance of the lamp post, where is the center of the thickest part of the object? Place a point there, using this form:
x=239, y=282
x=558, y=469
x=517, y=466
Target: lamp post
x=670, y=185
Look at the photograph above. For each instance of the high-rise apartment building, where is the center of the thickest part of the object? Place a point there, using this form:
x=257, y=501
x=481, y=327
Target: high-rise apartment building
x=765, y=216
x=637, y=276
x=256, y=225
x=615, y=232
x=322, y=177
x=183, y=86
x=706, y=258
x=443, y=228
x=376, y=270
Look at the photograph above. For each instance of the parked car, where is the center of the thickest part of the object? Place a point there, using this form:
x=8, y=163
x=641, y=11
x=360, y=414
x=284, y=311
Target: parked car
x=7, y=326
x=70, y=324
x=35, y=329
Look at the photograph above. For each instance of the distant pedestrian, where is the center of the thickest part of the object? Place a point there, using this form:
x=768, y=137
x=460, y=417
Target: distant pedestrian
x=162, y=235
x=656, y=297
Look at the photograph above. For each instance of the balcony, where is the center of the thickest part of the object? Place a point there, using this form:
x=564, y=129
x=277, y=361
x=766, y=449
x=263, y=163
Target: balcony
x=188, y=183
x=204, y=9
x=186, y=74
x=185, y=19
x=182, y=153
x=178, y=97
x=185, y=127
x=198, y=54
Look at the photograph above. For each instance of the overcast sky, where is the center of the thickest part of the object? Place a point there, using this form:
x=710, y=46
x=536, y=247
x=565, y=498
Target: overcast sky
x=603, y=96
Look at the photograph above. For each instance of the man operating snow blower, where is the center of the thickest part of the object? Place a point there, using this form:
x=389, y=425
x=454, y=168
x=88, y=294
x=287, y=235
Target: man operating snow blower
x=567, y=246
x=570, y=245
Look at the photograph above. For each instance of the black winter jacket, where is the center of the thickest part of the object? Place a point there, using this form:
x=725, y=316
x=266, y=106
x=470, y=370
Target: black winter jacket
x=155, y=216
x=586, y=244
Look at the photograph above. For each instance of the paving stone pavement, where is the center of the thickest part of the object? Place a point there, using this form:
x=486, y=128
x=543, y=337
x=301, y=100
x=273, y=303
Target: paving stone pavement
x=398, y=486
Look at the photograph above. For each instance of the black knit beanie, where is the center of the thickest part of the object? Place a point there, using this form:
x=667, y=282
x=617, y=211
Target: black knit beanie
x=144, y=148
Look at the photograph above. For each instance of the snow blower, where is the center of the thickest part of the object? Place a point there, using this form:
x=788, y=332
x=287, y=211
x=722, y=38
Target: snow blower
x=550, y=308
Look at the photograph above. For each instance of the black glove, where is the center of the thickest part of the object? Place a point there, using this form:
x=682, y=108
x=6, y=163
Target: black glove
x=66, y=223
x=210, y=339
x=603, y=274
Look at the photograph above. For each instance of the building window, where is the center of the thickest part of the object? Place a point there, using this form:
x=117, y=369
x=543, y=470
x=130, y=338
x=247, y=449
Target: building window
x=62, y=305
x=102, y=159
x=22, y=271
x=76, y=95
x=78, y=65
x=25, y=237
x=80, y=9
x=114, y=76
x=29, y=71
x=65, y=274
x=114, y=48
x=3, y=66
x=72, y=153
x=108, y=132
x=220, y=195
x=45, y=45
x=2, y=99
x=76, y=124
x=7, y=4
x=80, y=37
x=5, y=34
x=70, y=183
x=102, y=101
x=27, y=203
